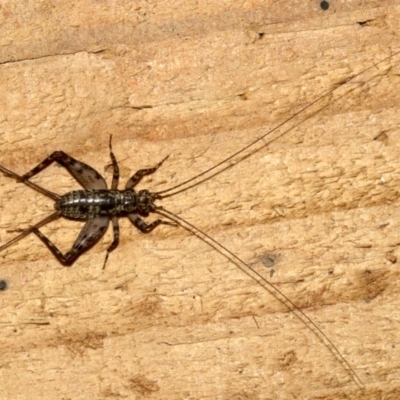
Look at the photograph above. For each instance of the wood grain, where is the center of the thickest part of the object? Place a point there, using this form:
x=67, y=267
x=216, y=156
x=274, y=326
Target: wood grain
x=170, y=318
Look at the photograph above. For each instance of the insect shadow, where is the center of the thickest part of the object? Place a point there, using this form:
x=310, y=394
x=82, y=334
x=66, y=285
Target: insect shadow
x=97, y=205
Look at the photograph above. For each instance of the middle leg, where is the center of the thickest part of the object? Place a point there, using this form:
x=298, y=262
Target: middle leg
x=115, y=241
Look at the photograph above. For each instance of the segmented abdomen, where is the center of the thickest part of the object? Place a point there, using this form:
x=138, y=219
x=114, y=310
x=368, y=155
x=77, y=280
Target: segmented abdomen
x=86, y=204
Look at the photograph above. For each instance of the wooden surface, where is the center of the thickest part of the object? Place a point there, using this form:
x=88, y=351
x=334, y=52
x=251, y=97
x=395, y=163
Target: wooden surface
x=169, y=317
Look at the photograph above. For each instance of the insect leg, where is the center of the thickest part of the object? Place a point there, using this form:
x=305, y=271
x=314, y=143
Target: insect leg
x=114, y=184
x=92, y=231
x=26, y=232
x=143, y=226
x=32, y=185
x=88, y=177
x=115, y=241
x=135, y=179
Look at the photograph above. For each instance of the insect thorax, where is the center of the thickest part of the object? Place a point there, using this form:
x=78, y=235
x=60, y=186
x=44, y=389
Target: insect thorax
x=86, y=204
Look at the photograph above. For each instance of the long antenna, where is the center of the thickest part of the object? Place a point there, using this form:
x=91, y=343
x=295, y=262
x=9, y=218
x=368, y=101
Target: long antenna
x=252, y=273
x=324, y=96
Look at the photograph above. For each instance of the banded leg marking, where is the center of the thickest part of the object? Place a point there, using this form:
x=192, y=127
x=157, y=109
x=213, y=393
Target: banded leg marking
x=88, y=177
x=145, y=227
x=90, y=234
x=115, y=179
x=137, y=177
x=115, y=241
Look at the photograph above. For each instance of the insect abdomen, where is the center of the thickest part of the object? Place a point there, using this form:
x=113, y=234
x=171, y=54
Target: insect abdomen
x=86, y=204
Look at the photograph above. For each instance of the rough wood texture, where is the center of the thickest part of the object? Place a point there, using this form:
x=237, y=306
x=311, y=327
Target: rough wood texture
x=170, y=318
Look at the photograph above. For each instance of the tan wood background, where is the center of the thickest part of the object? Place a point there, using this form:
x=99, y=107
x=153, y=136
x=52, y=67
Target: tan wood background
x=169, y=317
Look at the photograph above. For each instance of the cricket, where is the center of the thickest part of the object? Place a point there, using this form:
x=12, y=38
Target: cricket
x=97, y=205
x=200, y=200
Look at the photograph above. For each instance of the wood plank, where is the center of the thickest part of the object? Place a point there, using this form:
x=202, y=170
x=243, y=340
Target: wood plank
x=169, y=317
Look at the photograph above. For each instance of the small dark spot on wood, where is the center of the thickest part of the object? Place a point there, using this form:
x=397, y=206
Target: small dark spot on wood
x=255, y=321
x=3, y=285
x=271, y=274
x=139, y=108
x=243, y=96
x=374, y=283
x=382, y=137
x=268, y=261
x=363, y=246
x=324, y=5
x=261, y=35
x=142, y=386
x=391, y=257
x=343, y=81
x=288, y=359
x=330, y=271
x=365, y=23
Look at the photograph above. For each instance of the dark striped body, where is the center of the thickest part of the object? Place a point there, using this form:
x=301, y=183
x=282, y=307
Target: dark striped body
x=93, y=203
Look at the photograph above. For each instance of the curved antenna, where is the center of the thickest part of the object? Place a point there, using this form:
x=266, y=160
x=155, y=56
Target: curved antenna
x=324, y=96
x=266, y=285
x=26, y=232
x=32, y=185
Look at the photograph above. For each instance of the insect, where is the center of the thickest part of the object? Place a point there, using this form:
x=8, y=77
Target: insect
x=95, y=204
x=98, y=205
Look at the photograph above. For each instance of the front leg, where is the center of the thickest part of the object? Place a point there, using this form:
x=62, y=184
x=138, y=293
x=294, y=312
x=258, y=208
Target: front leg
x=136, y=178
x=143, y=226
x=90, y=234
x=114, y=184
